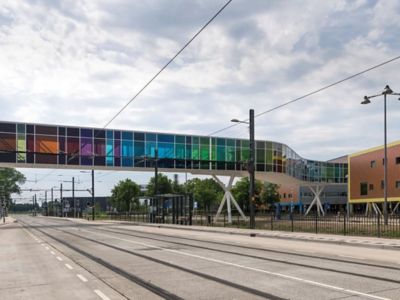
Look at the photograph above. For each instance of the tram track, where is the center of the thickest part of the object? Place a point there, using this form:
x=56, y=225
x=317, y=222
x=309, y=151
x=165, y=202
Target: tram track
x=264, y=249
x=141, y=282
x=262, y=258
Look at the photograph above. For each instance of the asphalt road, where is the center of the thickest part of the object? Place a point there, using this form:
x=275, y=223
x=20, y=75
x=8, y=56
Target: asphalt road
x=137, y=262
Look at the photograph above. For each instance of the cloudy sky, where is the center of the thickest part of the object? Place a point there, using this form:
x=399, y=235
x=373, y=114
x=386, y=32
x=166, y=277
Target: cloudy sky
x=77, y=62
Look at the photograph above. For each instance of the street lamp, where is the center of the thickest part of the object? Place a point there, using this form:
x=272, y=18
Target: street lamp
x=250, y=165
x=367, y=99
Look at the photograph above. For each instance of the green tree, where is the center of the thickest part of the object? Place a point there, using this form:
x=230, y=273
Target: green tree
x=10, y=181
x=269, y=195
x=207, y=192
x=164, y=185
x=241, y=192
x=124, y=195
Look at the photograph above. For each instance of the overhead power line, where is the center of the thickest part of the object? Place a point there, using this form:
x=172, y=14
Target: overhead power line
x=312, y=93
x=166, y=65
x=157, y=74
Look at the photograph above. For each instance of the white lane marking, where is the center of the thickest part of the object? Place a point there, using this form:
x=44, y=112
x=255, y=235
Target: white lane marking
x=352, y=257
x=59, y=258
x=69, y=266
x=316, y=283
x=52, y=252
x=81, y=277
x=101, y=295
x=47, y=248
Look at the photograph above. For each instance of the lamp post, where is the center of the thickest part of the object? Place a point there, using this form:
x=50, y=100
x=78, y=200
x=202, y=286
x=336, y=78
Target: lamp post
x=251, y=167
x=386, y=91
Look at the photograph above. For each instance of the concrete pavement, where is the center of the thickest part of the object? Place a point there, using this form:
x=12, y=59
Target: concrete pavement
x=149, y=262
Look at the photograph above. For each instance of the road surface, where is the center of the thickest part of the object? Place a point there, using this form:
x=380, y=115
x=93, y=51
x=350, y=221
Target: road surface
x=55, y=258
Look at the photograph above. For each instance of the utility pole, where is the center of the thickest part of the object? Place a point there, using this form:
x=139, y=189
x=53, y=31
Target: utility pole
x=252, y=170
x=93, y=204
x=45, y=201
x=34, y=205
x=52, y=201
x=156, y=172
x=73, y=195
x=61, y=200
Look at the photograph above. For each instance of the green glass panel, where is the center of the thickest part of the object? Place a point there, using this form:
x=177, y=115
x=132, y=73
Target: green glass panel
x=21, y=147
x=230, y=153
x=20, y=128
x=180, y=139
x=205, y=141
x=230, y=142
x=195, y=152
x=180, y=151
x=268, y=156
x=260, y=156
x=204, y=152
x=195, y=140
x=221, y=153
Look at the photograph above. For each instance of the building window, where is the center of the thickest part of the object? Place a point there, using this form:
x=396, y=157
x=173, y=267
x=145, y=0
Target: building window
x=397, y=160
x=363, y=188
x=284, y=195
x=371, y=187
x=397, y=184
x=382, y=184
x=373, y=163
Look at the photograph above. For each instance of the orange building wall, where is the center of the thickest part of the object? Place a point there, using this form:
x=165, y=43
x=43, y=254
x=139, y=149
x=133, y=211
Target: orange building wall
x=360, y=171
x=286, y=191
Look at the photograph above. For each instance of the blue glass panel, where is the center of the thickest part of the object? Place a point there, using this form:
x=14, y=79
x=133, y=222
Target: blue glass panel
x=139, y=136
x=127, y=148
x=117, y=135
x=166, y=138
x=110, y=135
x=139, y=149
x=166, y=150
x=86, y=132
x=109, y=152
x=150, y=149
x=127, y=135
x=151, y=137
x=127, y=161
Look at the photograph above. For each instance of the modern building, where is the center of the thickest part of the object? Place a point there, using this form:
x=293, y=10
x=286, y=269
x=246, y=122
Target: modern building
x=26, y=145
x=366, y=178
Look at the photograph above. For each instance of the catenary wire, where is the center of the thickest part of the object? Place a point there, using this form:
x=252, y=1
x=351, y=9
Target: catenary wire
x=158, y=73
x=311, y=93
x=167, y=64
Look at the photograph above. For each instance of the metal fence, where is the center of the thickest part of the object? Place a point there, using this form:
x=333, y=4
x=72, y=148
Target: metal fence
x=340, y=224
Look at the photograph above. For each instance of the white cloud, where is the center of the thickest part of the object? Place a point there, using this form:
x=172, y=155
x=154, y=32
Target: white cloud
x=79, y=62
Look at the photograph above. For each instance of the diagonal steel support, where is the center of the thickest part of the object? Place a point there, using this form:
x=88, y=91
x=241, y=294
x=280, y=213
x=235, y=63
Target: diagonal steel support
x=228, y=198
x=317, y=200
x=395, y=208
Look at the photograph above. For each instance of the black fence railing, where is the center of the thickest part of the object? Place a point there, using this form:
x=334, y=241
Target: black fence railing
x=339, y=224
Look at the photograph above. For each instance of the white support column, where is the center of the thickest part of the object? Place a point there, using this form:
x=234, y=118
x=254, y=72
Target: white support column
x=228, y=197
x=317, y=200
x=395, y=208
x=376, y=209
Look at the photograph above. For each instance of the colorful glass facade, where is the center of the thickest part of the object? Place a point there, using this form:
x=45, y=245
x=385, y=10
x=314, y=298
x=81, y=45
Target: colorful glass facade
x=26, y=144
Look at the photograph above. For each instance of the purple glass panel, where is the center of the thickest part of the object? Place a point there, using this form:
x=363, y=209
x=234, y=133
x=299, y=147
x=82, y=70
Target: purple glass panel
x=99, y=147
x=117, y=148
x=86, y=147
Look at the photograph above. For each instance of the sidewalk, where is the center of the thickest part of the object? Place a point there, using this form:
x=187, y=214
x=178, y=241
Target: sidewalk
x=371, y=242
x=8, y=220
